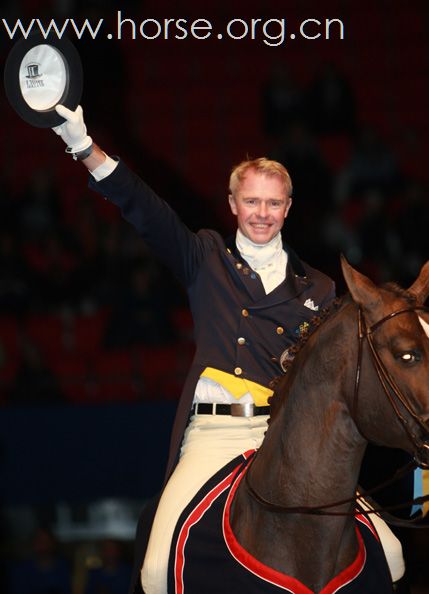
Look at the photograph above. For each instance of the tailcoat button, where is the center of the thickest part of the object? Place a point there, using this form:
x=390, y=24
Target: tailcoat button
x=241, y=340
x=238, y=371
x=279, y=330
x=244, y=313
x=239, y=265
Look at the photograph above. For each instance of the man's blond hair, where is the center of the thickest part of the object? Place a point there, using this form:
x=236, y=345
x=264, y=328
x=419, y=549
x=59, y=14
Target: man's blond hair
x=263, y=166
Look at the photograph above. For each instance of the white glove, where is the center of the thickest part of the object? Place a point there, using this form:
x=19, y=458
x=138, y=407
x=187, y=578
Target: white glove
x=73, y=130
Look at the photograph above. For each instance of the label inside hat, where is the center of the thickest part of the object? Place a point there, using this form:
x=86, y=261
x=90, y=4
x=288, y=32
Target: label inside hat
x=43, y=77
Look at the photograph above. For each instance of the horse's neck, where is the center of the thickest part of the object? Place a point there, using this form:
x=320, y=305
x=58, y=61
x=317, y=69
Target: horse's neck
x=313, y=441
x=311, y=455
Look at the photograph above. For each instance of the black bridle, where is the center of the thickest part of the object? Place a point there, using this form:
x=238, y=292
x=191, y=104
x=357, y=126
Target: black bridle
x=395, y=396
x=390, y=387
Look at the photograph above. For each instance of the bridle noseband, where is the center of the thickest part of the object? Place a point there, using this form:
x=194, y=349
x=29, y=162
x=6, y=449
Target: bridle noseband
x=392, y=391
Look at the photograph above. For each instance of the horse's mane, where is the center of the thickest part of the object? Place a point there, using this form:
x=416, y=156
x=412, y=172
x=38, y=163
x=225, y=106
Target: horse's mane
x=307, y=331
x=289, y=355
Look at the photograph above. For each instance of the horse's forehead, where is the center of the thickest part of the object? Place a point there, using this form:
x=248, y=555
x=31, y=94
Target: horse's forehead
x=425, y=325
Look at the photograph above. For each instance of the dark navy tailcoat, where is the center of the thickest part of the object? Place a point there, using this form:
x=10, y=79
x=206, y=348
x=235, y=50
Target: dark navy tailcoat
x=226, y=296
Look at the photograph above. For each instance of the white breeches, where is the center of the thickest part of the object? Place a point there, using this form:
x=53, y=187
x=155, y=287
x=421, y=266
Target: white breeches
x=391, y=545
x=209, y=443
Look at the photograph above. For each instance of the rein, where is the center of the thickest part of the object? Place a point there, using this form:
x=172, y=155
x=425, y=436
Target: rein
x=392, y=391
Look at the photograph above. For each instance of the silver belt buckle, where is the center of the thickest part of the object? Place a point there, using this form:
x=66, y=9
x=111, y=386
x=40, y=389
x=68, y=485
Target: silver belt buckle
x=242, y=410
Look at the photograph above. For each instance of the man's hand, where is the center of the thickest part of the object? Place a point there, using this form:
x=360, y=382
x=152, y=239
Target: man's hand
x=73, y=130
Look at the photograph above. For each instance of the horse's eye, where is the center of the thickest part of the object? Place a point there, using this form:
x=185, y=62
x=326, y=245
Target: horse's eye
x=409, y=357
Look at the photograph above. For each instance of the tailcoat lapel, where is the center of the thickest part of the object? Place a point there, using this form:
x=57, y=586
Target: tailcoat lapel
x=294, y=284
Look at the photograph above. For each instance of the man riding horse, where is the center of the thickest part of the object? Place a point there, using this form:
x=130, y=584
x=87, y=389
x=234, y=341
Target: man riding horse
x=251, y=298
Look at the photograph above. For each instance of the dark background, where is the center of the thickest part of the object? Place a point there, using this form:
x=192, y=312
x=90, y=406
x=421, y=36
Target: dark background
x=95, y=336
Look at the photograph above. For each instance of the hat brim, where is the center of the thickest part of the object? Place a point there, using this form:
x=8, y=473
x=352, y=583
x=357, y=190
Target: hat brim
x=43, y=90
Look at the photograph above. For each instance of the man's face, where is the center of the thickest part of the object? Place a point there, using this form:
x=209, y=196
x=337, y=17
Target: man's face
x=261, y=206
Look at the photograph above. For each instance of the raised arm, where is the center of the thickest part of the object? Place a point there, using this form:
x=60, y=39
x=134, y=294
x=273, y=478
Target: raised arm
x=170, y=239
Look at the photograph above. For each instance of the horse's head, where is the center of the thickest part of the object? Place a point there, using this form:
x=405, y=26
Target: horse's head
x=393, y=362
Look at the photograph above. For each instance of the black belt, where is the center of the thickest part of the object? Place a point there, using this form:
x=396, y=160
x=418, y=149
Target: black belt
x=234, y=410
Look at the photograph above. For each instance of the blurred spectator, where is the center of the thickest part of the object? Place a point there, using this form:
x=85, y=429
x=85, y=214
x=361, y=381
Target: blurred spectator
x=45, y=572
x=411, y=225
x=114, y=575
x=298, y=151
x=34, y=383
x=375, y=237
x=39, y=206
x=361, y=230
x=10, y=203
x=14, y=286
x=312, y=183
x=330, y=103
x=281, y=101
x=52, y=265
x=339, y=235
x=141, y=314
x=372, y=167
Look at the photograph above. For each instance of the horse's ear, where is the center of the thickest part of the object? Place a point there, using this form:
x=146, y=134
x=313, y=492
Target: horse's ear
x=420, y=287
x=361, y=288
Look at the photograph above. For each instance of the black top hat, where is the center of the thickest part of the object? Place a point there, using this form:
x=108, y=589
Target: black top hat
x=40, y=73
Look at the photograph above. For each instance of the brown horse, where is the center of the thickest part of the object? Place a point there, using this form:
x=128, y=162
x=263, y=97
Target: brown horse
x=362, y=376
